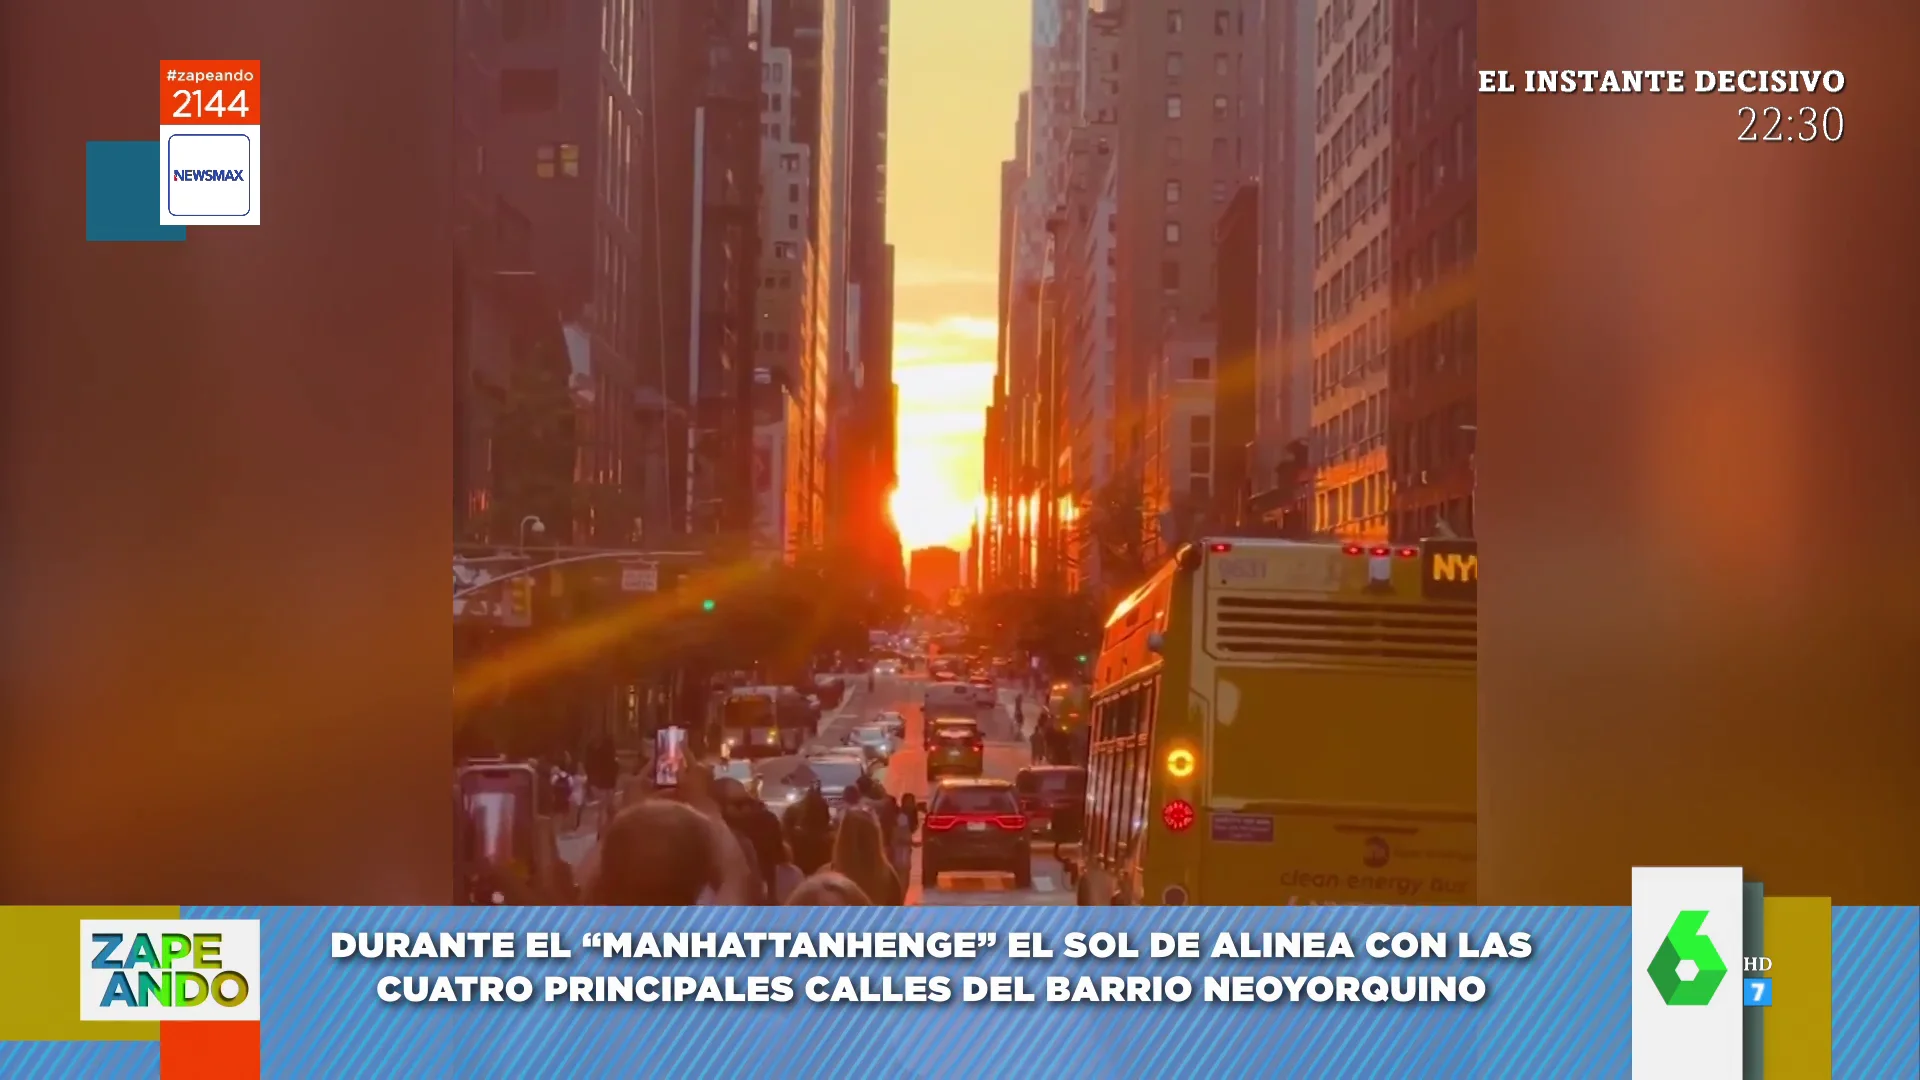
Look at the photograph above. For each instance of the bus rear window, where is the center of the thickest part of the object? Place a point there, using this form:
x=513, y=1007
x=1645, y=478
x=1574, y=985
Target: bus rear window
x=1071, y=783
x=976, y=800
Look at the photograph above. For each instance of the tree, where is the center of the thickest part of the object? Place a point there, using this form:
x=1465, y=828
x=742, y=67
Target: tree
x=1116, y=525
x=534, y=441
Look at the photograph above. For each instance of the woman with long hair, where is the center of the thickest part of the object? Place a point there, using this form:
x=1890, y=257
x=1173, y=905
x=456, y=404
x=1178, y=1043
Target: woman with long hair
x=860, y=853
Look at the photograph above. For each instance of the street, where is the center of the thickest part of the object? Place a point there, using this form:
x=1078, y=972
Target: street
x=1006, y=754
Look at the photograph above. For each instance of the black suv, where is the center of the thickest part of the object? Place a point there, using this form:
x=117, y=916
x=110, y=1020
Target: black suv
x=975, y=824
x=1054, y=797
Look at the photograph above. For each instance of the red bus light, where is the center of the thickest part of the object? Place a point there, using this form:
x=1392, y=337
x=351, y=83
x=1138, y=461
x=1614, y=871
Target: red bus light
x=1219, y=549
x=1409, y=553
x=1382, y=552
x=1178, y=815
x=1353, y=549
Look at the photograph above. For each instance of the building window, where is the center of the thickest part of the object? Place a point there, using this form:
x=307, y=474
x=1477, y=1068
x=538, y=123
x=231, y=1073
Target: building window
x=793, y=192
x=1174, y=149
x=790, y=163
x=1170, y=275
x=1199, y=459
x=1172, y=232
x=1174, y=62
x=1221, y=65
x=1221, y=109
x=1219, y=191
x=1222, y=23
x=570, y=161
x=793, y=221
x=543, y=162
x=1202, y=367
x=1173, y=192
x=529, y=90
x=1221, y=154
x=1176, y=21
x=782, y=249
x=1173, y=106
x=1200, y=431
x=1200, y=487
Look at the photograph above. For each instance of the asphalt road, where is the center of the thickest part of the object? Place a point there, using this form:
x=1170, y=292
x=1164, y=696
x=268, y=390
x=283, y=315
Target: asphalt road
x=1006, y=754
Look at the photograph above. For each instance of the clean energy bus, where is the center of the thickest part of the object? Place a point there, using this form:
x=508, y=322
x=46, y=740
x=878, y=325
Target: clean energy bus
x=1277, y=722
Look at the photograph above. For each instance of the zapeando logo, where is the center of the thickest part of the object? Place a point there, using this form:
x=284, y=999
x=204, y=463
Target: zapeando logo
x=1685, y=944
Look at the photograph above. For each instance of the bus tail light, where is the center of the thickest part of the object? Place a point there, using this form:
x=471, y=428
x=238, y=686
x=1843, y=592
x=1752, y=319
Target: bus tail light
x=1381, y=552
x=1408, y=553
x=1353, y=549
x=1219, y=549
x=1181, y=763
x=1178, y=815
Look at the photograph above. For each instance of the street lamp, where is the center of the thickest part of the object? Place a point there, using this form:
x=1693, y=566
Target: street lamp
x=531, y=521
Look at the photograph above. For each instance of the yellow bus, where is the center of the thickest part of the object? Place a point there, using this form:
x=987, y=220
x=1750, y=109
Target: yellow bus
x=1277, y=722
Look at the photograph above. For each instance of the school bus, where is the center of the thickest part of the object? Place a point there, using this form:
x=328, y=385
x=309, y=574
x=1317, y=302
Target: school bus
x=1279, y=722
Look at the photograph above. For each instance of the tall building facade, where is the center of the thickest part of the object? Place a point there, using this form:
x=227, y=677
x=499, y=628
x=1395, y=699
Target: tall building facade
x=1085, y=263
x=1354, y=162
x=786, y=211
x=1279, y=470
x=1432, y=374
x=871, y=470
x=551, y=233
x=1183, y=150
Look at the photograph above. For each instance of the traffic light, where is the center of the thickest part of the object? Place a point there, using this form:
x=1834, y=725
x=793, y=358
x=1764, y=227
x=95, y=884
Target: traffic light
x=706, y=605
x=1082, y=658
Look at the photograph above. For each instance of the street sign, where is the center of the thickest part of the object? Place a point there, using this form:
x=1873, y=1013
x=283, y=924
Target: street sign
x=640, y=578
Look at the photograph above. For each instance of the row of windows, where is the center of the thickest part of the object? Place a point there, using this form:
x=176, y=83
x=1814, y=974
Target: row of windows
x=1423, y=522
x=617, y=38
x=1225, y=23
x=1450, y=247
x=618, y=140
x=1335, y=19
x=551, y=161
x=1223, y=64
x=1359, y=349
x=1224, y=107
x=1362, y=503
x=1435, y=441
x=1373, y=114
x=1350, y=432
x=1355, y=60
x=1449, y=344
x=1225, y=153
x=775, y=341
x=1119, y=770
x=1440, y=160
x=1174, y=190
x=1364, y=272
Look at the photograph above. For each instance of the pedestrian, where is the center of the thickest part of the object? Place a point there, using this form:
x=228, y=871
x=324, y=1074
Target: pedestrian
x=910, y=813
x=859, y=854
x=809, y=829
x=828, y=889
x=899, y=837
x=852, y=798
x=662, y=853
x=603, y=777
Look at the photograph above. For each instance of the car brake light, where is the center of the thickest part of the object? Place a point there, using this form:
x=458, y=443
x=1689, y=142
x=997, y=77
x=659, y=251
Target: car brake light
x=1219, y=549
x=1012, y=822
x=1178, y=815
x=941, y=822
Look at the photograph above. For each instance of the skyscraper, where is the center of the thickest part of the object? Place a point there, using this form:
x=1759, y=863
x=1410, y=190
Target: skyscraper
x=1432, y=430
x=1352, y=169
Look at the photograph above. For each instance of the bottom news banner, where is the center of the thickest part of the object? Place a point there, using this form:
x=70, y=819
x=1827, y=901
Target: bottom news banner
x=210, y=993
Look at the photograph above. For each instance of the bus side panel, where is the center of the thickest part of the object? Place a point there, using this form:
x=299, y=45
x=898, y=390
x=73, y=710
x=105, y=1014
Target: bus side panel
x=1339, y=787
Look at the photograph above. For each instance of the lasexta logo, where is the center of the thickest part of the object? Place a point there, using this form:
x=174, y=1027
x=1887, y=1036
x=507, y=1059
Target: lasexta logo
x=1685, y=945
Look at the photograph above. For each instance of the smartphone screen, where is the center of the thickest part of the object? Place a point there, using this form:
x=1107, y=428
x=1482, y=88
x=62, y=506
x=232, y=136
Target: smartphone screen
x=669, y=756
x=498, y=803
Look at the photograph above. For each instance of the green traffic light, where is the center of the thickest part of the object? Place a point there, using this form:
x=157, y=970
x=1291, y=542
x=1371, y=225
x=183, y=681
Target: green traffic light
x=706, y=605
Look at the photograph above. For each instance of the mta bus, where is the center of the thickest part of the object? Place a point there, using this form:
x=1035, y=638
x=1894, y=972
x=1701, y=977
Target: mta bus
x=1278, y=722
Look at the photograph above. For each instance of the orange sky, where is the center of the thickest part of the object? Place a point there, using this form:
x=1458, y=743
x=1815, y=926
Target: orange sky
x=956, y=71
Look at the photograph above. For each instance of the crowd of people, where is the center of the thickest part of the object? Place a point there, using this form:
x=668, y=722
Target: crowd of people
x=710, y=842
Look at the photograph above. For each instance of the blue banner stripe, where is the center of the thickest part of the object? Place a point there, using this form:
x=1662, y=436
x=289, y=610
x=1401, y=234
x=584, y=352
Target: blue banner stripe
x=123, y=193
